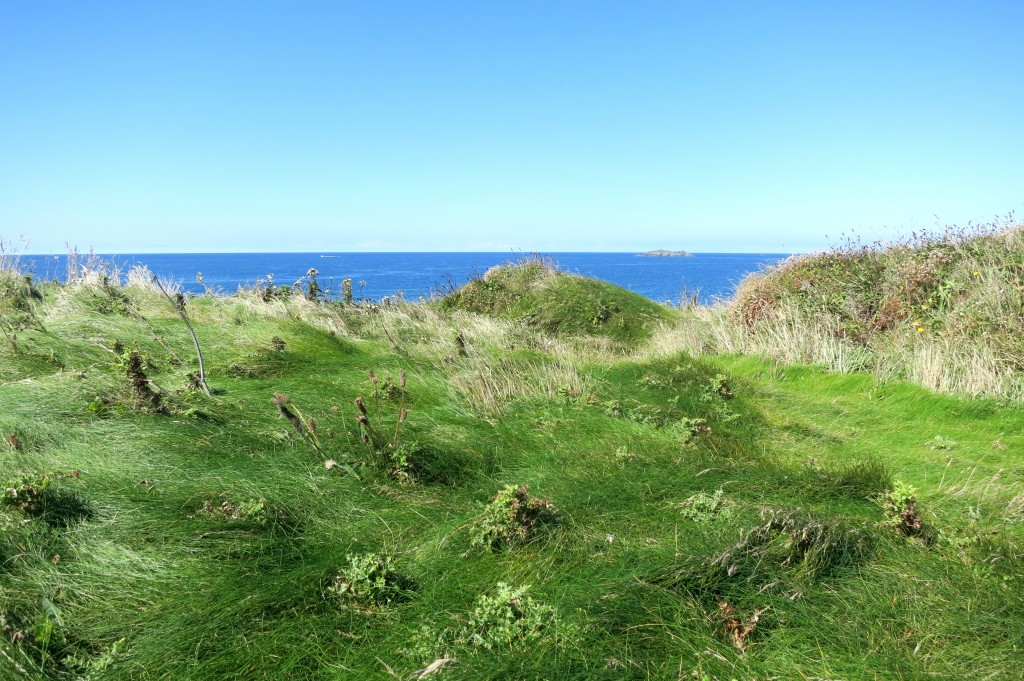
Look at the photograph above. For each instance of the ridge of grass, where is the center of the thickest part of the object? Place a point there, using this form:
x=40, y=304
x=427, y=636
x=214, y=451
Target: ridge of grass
x=718, y=517
x=536, y=292
x=944, y=310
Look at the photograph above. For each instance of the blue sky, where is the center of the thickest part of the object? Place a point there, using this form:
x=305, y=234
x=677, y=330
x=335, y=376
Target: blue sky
x=551, y=126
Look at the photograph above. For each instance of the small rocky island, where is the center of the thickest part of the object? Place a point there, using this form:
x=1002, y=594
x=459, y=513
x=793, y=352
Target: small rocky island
x=660, y=253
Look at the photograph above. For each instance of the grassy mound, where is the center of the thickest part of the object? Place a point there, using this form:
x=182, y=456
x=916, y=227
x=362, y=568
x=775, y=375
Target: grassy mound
x=403, y=490
x=536, y=292
x=942, y=310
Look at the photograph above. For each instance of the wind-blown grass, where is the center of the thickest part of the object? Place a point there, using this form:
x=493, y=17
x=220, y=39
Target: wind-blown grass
x=942, y=310
x=207, y=541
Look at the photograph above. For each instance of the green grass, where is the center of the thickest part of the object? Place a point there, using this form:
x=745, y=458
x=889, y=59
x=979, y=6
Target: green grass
x=536, y=292
x=206, y=542
x=943, y=310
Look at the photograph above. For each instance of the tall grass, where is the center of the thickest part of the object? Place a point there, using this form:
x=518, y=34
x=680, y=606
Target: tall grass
x=944, y=310
x=207, y=540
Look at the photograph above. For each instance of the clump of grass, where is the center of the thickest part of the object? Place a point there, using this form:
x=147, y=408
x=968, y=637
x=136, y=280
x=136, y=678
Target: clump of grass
x=857, y=480
x=787, y=547
x=511, y=519
x=19, y=299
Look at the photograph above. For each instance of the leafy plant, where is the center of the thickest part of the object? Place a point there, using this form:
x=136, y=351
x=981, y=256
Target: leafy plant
x=624, y=457
x=703, y=507
x=717, y=387
x=382, y=442
x=900, y=507
x=368, y=580
x=26, y=493
x=255, y=510
x=942, y=443
x=508, y=619
x=511, y=518
x=41, y=495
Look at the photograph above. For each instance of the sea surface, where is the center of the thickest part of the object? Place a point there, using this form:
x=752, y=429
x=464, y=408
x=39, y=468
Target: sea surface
x=422, y=275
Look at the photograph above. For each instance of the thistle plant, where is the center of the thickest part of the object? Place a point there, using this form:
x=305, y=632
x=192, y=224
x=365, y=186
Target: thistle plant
x=305, y=427
x=381, y=440
x=512, y=518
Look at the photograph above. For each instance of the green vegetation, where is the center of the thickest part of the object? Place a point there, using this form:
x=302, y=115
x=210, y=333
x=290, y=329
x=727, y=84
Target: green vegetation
x=483, y=488
x=942, y=310
x=534, y=291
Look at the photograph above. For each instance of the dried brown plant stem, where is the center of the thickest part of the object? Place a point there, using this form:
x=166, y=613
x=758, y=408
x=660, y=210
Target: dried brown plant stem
x=195, y=341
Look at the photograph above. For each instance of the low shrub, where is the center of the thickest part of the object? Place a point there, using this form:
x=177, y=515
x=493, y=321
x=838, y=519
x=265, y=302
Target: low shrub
x=367, y=581
x=507, y=620
x=512, y=518
x=900, y=507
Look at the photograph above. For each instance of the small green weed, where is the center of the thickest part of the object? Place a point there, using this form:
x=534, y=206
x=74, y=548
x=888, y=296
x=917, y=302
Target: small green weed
x=704, y=508
x=41, y=495
x=624, y=457
x=25, y=493
x=509, y=620
x=368, y=581
x=900, y=507
x=512, y=518
x=717, y=388
x=255, y=510
x=942, y=443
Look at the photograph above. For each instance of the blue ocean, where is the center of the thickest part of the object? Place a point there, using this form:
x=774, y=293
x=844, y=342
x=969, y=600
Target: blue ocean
x=415, y=275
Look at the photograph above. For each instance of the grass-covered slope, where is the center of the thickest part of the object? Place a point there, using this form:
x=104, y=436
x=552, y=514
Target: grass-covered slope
x=546, y=508
x=537, y=293
x=944, y=310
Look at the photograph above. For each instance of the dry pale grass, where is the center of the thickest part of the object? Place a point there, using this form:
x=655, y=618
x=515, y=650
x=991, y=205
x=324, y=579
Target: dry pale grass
x=943, y=364
x=489, y=363
x=248, y=304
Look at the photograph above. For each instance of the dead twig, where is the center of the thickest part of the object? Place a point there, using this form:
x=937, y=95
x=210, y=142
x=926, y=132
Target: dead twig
x=181, y=313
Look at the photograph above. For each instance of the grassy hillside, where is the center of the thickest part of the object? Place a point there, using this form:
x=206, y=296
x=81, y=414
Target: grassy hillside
x=429, y=491
x=943, y=310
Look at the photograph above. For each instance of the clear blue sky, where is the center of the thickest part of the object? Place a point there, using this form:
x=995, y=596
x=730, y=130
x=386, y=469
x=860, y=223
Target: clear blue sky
x=553, y=126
